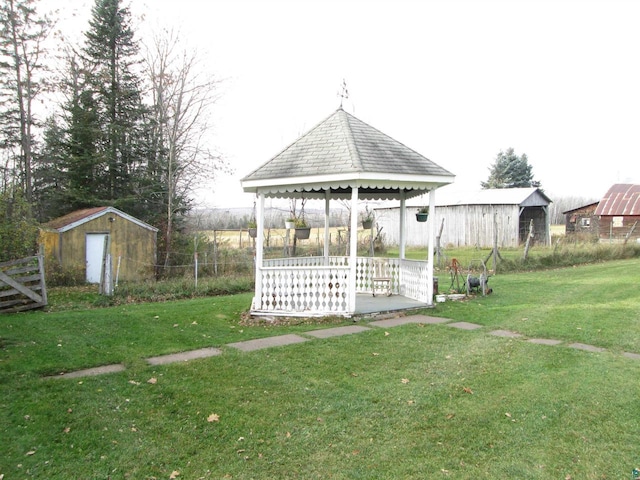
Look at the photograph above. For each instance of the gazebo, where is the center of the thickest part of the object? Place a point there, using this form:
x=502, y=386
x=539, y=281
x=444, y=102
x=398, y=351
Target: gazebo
x=342, y=158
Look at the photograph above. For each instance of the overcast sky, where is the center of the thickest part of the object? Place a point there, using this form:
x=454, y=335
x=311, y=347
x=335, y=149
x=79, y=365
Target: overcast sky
x=457, y=81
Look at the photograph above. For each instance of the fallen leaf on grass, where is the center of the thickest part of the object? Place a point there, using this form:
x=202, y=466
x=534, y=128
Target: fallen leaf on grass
x=152, y=380
x=133, y=382
x=288, y=434
x=29, y=453
x=214, y=417
x=507, y=415
x=405, y=380
x=175, y=474
x=468, y=390
x=386, y=334
x=67, y=430
x=450, y=416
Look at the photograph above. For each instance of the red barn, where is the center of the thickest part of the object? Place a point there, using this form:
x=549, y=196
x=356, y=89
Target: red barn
x=619, y=214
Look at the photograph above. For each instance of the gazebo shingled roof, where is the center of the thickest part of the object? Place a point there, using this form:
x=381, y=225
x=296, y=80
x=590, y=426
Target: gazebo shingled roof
x=342, y=152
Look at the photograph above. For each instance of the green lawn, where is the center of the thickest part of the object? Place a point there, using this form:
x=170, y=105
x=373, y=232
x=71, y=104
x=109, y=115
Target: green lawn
x=417, y=401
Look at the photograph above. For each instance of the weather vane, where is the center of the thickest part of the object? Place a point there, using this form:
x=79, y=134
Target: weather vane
x=344, y=93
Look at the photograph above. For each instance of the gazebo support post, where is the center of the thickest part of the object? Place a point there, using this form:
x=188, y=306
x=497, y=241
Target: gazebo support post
x=430, y=243
x=403, y=214
x=353, y=250
x=327, y=238
x=259, y=251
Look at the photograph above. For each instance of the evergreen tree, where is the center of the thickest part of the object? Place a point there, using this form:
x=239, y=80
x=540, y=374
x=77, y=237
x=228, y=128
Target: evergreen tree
x=510, y=171
x=49, y=175
x=112, y=92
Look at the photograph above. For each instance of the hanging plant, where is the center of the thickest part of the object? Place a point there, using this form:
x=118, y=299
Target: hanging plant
x=367, y=218
x=423, y=214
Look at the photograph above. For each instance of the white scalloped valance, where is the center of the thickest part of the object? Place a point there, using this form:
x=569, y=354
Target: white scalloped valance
x=341, y=187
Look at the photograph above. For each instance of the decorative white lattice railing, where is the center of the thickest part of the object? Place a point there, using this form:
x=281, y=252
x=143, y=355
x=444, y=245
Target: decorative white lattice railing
x=304, y=290
x=414, y=280
x=319, y=286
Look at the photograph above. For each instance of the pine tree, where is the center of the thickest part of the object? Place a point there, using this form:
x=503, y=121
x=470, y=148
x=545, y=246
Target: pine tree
x=114, y=89
x=510, y=171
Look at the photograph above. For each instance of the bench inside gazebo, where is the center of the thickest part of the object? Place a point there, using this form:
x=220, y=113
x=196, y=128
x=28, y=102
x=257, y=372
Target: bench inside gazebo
x=343, y=158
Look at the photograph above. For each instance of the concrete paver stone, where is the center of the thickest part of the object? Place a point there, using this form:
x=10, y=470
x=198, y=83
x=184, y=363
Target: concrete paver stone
x=505, y=333
x=588, y=348
x=337, y=331
x=91, y=372
x=397, y=321
x=544, y=341
x=184, y=356
x=464, y=325
x=260, y=343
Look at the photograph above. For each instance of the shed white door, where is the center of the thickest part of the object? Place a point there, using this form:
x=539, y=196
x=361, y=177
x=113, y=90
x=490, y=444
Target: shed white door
x=94, y=253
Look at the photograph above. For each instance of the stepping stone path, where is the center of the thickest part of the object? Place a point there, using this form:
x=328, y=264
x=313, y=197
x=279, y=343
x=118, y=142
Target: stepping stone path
x=282, y=340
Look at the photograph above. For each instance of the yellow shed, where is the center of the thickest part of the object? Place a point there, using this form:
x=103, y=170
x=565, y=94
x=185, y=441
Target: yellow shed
x=77, y=241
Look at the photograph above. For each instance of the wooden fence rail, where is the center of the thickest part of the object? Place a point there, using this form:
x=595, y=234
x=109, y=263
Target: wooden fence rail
x=22, y=285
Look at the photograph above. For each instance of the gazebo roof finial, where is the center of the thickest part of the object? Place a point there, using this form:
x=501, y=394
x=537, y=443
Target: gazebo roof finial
x=343, y=93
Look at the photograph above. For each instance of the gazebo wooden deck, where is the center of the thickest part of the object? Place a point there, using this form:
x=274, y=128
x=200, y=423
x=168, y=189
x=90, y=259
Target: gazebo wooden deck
x=342, y=158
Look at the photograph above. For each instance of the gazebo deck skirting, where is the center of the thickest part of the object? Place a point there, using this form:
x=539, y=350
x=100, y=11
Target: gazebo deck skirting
x=319, y=286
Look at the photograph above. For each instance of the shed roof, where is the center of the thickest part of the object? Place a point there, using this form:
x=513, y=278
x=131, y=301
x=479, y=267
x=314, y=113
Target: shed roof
x=582, y=207
x=79, y=217
x=620, y=199
x=343, y=152
x=524, y=197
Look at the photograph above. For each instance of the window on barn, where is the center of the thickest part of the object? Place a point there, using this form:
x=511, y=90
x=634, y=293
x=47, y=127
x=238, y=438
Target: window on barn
x=585, y=222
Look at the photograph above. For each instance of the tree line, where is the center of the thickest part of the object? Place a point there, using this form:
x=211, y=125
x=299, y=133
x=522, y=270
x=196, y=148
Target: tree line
x=129, y=126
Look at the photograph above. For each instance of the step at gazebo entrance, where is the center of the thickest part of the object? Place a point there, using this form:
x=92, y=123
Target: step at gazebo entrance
x=342, y=158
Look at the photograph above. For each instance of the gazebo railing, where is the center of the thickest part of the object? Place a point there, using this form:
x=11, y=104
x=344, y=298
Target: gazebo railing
x=415, y=274
x=304, y=290
x=319, y=286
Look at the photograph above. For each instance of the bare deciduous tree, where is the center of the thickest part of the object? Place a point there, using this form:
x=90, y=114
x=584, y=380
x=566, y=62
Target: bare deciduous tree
x=182, y=98
x=22, y=34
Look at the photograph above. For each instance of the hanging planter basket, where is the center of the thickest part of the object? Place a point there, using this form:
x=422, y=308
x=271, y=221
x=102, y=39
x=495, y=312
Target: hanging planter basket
x=367, y=224
x=253, y=232
x=422, y=217
x=303, y=233
x=289, y=224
